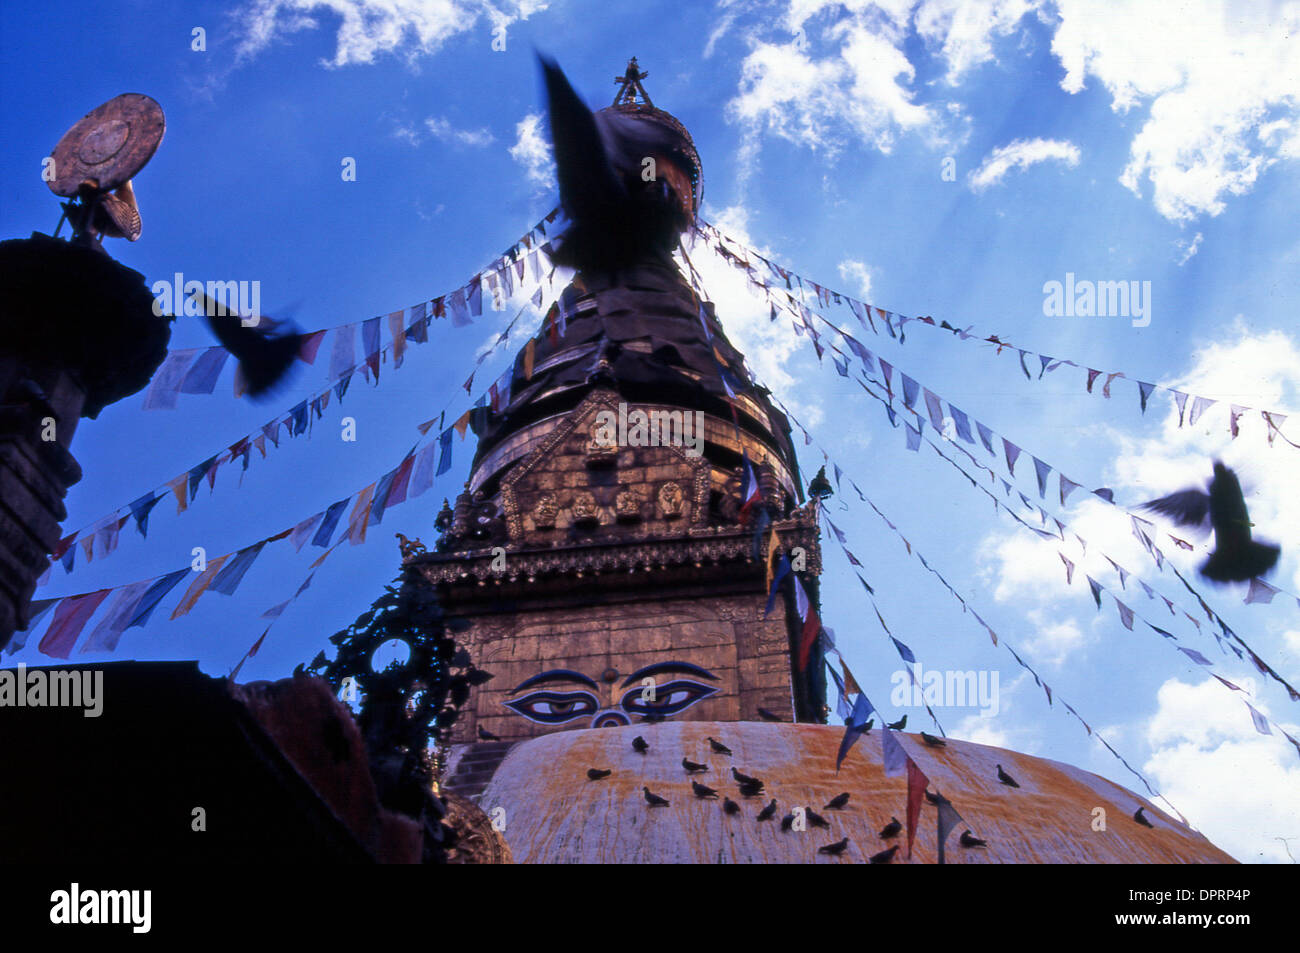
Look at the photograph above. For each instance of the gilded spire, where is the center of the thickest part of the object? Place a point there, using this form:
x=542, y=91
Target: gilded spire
x=630, y=91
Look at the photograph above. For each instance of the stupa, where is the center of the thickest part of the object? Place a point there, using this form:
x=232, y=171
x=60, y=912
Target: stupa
x=612, y=554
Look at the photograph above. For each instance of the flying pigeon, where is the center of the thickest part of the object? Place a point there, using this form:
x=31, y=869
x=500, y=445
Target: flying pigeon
x=892, y=828
x=898, y=725
x=730, y=806
x=932, y=741
x=618, y=217
x=595, y=774
x=766, y=813
x=1236, y=557
x=745, y=780
x=885, y=856
x=703, y=790
x=264, y=355
x=769, y=715
x=816, y=820
x=486, y=735
x=718, y=747
x=838, y=801
x=1006, y=778
x=834, y=849
x=693, y=766
x=970, y=840
x=1142, y=819
x=640, y=745
x=654, y=800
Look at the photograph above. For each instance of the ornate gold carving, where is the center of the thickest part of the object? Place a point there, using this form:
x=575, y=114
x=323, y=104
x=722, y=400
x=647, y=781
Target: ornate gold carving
x=583, y=508
x=477, y=841
x=600, y=453
x=410, y=547
x=596, y=400
x=627, y=506
x=545, y=510
x=670, y=500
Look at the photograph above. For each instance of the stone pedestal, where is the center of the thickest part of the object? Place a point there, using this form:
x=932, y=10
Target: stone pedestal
x=77, y=332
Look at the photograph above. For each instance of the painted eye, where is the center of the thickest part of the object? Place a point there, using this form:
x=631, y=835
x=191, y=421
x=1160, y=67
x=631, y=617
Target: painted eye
x=554, y=708
x=669, y=699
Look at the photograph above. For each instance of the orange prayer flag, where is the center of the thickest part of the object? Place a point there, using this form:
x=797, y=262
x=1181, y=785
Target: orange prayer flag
x=360, y=516
x=199, y=586
x=461, y=424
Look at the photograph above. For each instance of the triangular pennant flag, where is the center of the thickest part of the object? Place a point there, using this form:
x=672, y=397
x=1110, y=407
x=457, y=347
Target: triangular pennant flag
x=1199, y=406
x=1236, y=411
x=70, y=618
x=1125, y=615
x=855, y=727
x=1042, y=470
x=1260, y=591
x=962, y=424
x=1096, y=590
x=302, y=532
x=105, y=636
x=893, y=756
x=199, y=586
x=916, y=785
x=1261, y=723
x=227, y=581
x=359, y=518
x=936, y=411
x=1180, y=400
x=1195, y=656
x=986, y=437
x=1275, y=422
x=1012, y=454
x=1144, y=392
x=948, y=821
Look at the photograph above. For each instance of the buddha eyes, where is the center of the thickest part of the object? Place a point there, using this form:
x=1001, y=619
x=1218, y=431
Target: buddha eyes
x=554, y=708
x=550, y=707
x=669, y=699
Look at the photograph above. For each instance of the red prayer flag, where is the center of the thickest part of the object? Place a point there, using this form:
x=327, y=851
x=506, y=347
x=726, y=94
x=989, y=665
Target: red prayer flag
x=69, y=619
x=916, y=785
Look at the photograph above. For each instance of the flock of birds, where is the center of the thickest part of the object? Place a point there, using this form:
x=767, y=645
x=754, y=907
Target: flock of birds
x=752, y=787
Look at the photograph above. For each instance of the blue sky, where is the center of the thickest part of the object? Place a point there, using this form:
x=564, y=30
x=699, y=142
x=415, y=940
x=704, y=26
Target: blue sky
x=1113, y=141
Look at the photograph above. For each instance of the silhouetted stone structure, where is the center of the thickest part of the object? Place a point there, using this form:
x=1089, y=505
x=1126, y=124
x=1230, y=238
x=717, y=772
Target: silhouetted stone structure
x=77, y=332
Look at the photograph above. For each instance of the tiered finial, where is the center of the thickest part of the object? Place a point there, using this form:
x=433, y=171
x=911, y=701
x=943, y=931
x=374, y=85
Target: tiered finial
x=630, y=91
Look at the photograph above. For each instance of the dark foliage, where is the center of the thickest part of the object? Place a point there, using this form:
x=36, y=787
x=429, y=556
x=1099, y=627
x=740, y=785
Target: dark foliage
x=406, y=707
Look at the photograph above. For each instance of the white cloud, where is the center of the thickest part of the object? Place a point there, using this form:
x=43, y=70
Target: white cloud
x=438, y=127
x=981, y=731
x=1189, y=249
x=1229, y=780
x=964, y=30
x=441, y=129
x=1222, y=81
x=1020, y=154
x=367, y=28
x=533, y=152
x=837, y=73
x=768, y=346
x=1249, y=369
x=858, y=274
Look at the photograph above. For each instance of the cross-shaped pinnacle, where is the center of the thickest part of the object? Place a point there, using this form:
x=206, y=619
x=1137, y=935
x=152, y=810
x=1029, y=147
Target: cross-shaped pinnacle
x=630, y=89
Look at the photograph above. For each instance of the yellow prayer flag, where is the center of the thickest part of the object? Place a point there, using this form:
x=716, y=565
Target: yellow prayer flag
x=199, y=586
x=360, y=516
